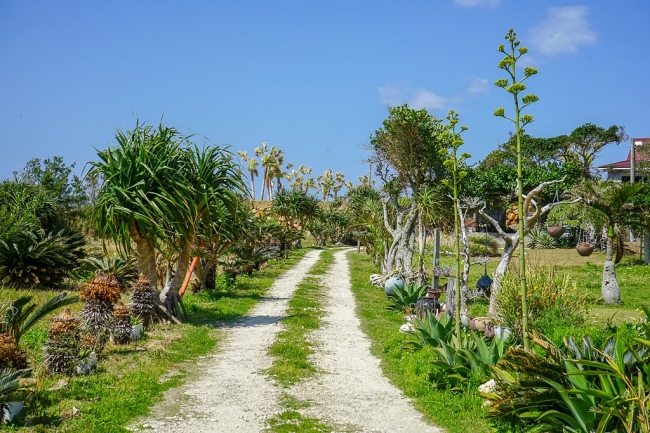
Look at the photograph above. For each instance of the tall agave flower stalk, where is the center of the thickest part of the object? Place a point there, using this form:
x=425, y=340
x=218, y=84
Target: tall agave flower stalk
x=63, y=347
x=99, y=296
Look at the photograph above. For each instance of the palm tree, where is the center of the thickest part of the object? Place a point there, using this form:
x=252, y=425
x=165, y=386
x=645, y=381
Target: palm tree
x=216, y=183
x=613, y=201
x=252, y=169
x=326, y=183
x=157, y=191
x=134, y=195
x=295, y=208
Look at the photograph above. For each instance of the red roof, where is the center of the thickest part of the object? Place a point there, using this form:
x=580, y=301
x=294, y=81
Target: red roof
x=638, y=157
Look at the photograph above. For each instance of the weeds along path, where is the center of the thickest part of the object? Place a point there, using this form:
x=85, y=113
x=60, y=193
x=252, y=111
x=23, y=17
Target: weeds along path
x=228, y=392
x=350, y=391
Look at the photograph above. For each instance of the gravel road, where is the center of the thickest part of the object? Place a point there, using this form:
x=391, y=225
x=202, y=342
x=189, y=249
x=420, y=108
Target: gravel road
x=228, y=391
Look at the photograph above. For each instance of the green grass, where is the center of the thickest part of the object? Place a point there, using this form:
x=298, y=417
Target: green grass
x=291, y=348
x=458, y=413
x=132, y=378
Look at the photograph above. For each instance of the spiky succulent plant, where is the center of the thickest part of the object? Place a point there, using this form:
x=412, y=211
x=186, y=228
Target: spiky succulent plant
x=62, y=348
x=121, y=326
x=144, y=299
x=10, y=355
x=99, y=295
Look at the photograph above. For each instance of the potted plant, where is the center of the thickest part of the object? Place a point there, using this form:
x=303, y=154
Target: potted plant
x=585, y=249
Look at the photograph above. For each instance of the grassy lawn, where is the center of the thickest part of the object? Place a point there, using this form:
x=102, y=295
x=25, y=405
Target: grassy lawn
x=408, y=370
x=458, y=413
x=131, y=378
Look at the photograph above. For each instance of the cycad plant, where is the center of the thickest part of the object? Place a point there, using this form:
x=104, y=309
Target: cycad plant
x=62, y=348
x=121, y=328
x=21, y=315
x=99, y=295
x=40, y=258
x=124, y=269
x=581, y=390
x=144, y=298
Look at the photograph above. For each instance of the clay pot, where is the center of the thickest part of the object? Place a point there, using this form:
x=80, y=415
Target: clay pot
x=392, y=284
x=556, y=231
x=585, y=250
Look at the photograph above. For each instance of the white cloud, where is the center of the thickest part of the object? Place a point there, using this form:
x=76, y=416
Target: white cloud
x=398, y=94
x=479, y=3
x=418, y=98
x=563, y=30
x=478, y=86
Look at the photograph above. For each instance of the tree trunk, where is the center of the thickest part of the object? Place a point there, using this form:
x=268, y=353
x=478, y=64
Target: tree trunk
x=170, y=294
x=609, y=289
x=252, y=186
x=646, y=245
x=400, y=254
x=146, y=254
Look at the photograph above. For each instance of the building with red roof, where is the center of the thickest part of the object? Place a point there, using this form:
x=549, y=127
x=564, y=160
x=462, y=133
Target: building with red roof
x=620, y=170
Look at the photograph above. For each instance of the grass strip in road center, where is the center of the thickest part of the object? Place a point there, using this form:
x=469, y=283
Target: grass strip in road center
x=291, y=350
x=291, y=347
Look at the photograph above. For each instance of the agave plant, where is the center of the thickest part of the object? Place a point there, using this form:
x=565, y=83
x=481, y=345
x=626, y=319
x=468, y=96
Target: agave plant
x=540, y=240
x=404, y=299
x=31, y=258
x=430, y=331
x=463, y=358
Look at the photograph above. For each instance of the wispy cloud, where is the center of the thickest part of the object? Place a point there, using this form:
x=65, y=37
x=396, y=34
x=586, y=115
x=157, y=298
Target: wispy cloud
x=418, y=98
x=477, y=3
x=478, y=86
x=563, y=30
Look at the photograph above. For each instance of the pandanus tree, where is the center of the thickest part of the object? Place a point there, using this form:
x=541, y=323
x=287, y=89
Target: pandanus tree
x=159, y=188
x=614, y=201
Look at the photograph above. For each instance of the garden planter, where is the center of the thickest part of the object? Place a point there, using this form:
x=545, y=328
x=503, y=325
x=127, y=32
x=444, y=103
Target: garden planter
x=136, y=332
x=585, y=250
x=555, y=232
x=393, y=283
x=13, y=408
x=428, y=304
x=502, y=332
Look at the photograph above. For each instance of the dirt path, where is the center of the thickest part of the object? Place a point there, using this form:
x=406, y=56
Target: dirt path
x=230, y=393
x=351, y=392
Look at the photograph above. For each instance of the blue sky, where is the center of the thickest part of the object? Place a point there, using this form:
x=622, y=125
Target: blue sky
x=313, y=78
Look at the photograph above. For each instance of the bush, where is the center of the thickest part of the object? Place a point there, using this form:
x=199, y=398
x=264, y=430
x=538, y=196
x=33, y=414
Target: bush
x=552, y=300
x=477, y=246
x=31, y=258
x=540, y=240
x=404, y=300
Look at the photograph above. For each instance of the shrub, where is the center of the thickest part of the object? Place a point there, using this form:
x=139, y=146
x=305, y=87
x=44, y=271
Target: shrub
x=124, y=269
x=404, y=299
x=540, y=240
x=30, y=258
x=477, y=246
x=551, y=299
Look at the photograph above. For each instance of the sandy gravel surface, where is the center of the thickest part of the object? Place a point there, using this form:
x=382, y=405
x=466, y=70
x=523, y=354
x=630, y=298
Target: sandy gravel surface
x=230, y=393
x=350, y=392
